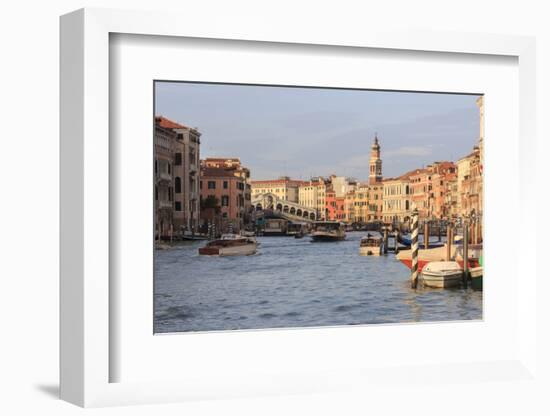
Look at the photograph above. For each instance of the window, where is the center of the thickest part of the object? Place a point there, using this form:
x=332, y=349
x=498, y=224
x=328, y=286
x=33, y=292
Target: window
x=156, y=193
x=177, y=206
x=211, y=184
x=225, y=184
x=177, y=185
x=200, y=184
x=224, y=215
x=177, y=159
x=225, y=200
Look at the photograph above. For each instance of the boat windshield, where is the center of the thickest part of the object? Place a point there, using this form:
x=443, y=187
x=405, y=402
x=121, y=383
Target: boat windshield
x=327, y=226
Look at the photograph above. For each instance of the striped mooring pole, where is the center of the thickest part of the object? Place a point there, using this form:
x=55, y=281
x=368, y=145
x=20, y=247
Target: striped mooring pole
x=414, y=249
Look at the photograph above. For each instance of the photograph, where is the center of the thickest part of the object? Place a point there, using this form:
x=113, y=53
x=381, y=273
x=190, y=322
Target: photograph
x=280, y=206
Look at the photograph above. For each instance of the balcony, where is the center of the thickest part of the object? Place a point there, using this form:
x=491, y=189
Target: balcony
x=164, y=177
x=164, y=204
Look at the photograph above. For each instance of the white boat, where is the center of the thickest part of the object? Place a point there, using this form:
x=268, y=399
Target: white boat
x=371, y=246
x=230, y=245
x=442, y=274
x=328, y=231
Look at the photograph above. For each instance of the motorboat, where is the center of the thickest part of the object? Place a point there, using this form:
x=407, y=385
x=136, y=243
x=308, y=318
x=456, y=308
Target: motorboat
x=296, y=229
x=476, y=277
x=439, y=253
x=275, y=227
x=442, y=274
x=371, y=245
x=328, y=231
x=230, y=245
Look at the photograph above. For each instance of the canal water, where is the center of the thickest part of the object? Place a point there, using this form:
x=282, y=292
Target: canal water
x=295, y=283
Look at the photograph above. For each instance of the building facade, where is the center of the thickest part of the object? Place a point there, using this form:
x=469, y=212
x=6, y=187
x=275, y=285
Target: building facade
x=185, y=156
x=312, y=194
x=396, y=199
x=234, y=166
x=284, y=188
x=223, y=196
x=164, y=144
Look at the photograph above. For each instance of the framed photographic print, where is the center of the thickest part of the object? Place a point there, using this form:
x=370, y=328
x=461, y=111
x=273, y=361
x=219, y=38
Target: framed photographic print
x=306, y=165
x=288, y=213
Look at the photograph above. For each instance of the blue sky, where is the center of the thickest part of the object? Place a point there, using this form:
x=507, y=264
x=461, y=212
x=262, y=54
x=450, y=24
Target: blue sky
x=304, y=132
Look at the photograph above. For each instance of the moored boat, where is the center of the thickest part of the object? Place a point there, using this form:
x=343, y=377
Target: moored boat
x=275, y=227
x=426, y=256
x=296, y=229
x=230, y=245
x=371, y=245
x=328, y=231
x=442, y=274
x=476, y=277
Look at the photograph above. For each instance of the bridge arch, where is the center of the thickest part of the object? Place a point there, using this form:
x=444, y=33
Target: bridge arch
x=279, y=207
x=312, y=216
x=292, y=211
x=299, y=212
x=285, y=208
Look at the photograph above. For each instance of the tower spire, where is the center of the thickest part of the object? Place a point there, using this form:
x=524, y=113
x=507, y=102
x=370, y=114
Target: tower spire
x=375, y=173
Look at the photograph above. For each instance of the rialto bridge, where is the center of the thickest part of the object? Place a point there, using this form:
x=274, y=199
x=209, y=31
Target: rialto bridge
x=287, y=209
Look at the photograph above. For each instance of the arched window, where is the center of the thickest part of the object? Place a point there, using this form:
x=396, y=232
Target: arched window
x=177, y=185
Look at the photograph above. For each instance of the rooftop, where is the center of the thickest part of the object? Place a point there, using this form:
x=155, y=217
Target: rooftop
x=169, y=124
x=217, y=172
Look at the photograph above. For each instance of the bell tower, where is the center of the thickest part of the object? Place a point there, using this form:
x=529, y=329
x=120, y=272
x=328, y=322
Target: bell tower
x=375, y=173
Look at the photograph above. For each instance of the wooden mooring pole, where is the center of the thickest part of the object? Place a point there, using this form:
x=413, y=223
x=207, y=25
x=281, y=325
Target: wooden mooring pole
x=414, y=249
x=426, y=235
x=449, y=242
x=385, y=240
x=465, y=243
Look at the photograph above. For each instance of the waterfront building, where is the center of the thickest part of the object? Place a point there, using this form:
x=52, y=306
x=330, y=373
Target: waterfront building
x=376, y=202
x=451, y=198
x=396, y=199
x=361, y=203
x=164, y=142
x=442, y=173
x=234, y=166
x=335, y=206
x=185, y=156
x=312, y=194
x=420, y=188
x=284, y=188
x=470, y=184
x=480, y=104
x=223, y=195
x=429, y=189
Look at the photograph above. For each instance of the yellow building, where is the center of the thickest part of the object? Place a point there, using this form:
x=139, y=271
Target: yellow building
x=396, y=199
x=284, y=188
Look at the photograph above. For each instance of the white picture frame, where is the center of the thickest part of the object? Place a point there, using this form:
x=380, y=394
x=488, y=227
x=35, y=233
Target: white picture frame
x=86, y=263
